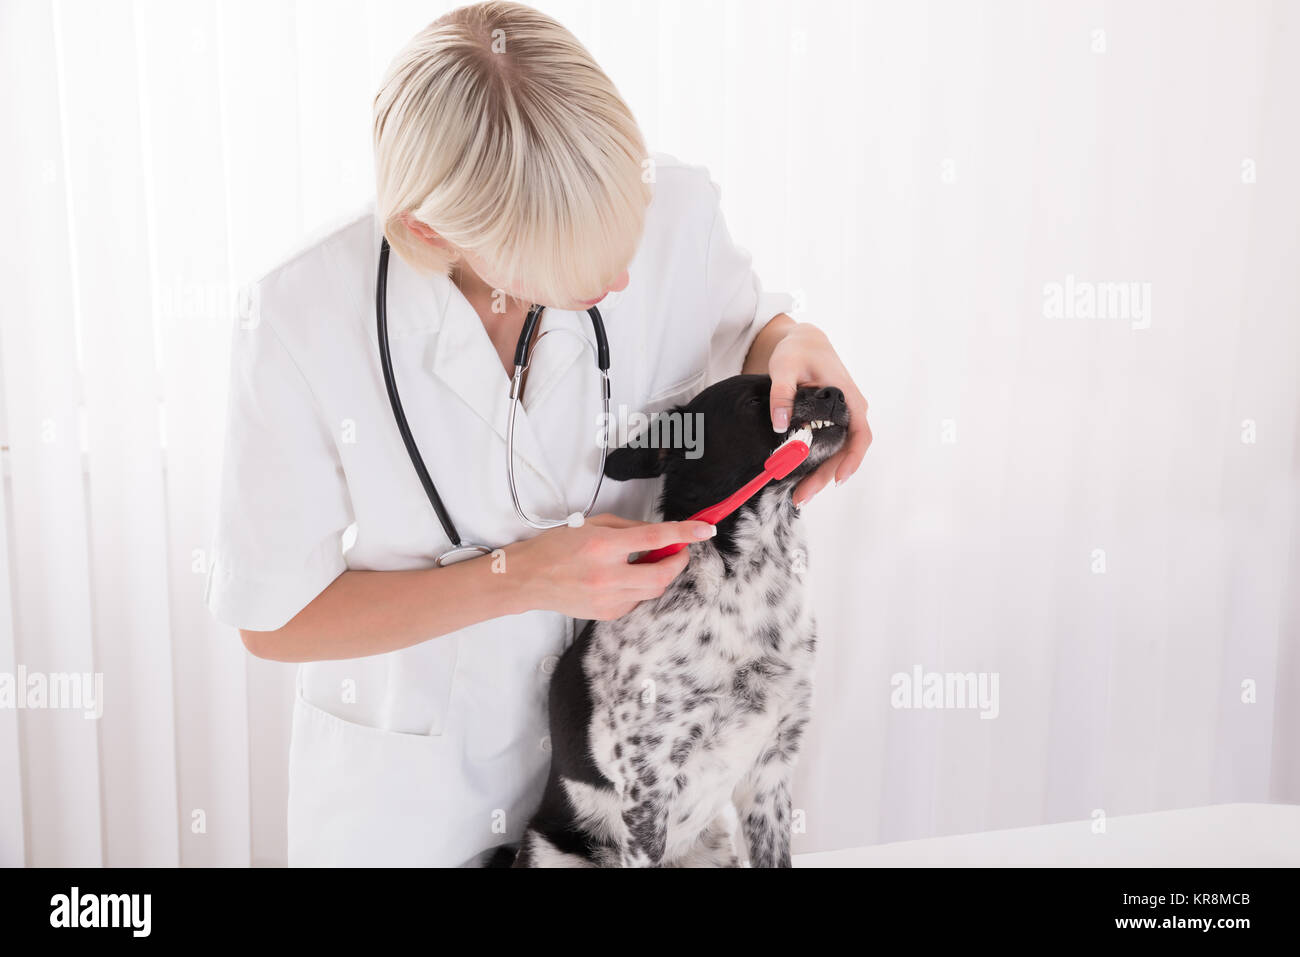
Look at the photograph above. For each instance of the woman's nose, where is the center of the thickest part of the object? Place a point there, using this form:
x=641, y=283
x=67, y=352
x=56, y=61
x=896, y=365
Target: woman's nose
x=618, y=285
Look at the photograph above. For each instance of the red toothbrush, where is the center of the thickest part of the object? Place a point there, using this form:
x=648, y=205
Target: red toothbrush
x=788, y=456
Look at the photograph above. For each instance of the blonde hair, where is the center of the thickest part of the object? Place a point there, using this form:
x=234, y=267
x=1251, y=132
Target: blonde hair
x=497, y=129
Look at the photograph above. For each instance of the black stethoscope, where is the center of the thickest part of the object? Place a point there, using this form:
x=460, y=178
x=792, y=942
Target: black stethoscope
x=461, y=550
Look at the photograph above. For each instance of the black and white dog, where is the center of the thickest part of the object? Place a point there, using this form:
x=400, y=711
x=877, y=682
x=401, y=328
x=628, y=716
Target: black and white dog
x=674, y=721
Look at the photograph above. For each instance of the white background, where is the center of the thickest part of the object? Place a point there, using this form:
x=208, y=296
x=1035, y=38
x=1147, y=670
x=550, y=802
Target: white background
x=916, y=173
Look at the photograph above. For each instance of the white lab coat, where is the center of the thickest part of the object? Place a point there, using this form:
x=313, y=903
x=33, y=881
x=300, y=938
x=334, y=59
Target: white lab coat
x=435, y=753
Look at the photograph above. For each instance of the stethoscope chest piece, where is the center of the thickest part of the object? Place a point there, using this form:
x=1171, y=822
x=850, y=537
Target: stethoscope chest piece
x=461, y=553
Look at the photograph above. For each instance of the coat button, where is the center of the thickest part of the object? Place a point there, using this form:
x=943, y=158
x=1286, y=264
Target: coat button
x=546, y=743
x=549, y=663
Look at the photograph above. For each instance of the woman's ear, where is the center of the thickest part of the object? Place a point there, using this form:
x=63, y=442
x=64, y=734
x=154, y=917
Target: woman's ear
x=427, y=233
x=632, y=463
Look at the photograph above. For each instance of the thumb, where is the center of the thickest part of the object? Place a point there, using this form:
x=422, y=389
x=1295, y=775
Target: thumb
x=782, y=400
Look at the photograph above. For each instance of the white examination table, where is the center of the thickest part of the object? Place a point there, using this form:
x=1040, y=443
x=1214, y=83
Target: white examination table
x=1226, y=835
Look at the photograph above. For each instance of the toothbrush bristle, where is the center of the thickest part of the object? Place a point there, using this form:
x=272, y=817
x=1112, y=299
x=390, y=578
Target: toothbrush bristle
x=790, y=454
x=803, y=435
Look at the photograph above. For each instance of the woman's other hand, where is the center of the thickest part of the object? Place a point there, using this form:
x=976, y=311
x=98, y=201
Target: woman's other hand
x=584, y=572
x=799, y=354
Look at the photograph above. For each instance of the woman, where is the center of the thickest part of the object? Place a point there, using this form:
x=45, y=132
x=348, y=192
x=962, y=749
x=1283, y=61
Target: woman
x=509, y=172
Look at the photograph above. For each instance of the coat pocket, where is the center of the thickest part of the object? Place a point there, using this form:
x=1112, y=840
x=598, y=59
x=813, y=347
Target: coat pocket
x=678, y=392
x=364, y=796
x=660, y=426
x=405, y=692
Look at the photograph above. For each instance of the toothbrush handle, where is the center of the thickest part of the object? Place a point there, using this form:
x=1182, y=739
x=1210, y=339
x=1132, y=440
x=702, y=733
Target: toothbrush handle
x=788, y=456
x=658, y=553
x=713, y=514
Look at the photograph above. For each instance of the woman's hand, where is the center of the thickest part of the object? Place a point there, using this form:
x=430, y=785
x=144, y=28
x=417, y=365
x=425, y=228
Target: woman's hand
x=802, y=355
x=584, y=572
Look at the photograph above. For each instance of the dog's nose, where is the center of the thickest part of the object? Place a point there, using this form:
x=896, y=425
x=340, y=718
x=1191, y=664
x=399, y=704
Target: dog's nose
x=831, y=398
x=824, y=402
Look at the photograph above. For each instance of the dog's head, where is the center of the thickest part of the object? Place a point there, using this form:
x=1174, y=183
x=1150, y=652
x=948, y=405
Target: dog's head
x=720, y=439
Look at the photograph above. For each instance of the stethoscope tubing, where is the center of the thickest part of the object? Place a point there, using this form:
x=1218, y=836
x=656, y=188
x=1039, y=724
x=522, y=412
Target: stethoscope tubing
x=523, y=356
x=390, y=382
x=515, y=389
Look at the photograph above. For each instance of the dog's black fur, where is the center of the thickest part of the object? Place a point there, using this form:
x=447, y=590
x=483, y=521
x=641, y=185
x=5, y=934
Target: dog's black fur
x=727, y=648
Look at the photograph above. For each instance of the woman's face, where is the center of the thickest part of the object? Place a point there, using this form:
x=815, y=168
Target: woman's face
x=489, y=275
x=493, y=278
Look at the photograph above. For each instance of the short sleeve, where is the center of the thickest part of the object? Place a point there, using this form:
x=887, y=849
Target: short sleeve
x=737, y=297
x=283, y=502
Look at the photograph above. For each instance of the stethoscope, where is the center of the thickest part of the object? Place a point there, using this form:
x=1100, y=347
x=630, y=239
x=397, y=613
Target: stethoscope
x=461, y=550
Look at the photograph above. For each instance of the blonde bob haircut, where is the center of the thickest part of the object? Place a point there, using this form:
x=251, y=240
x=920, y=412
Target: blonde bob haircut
x=495, y=128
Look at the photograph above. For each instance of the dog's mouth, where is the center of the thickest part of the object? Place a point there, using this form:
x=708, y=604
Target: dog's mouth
x=827, y=437
x=816, y=425
x=824, y=432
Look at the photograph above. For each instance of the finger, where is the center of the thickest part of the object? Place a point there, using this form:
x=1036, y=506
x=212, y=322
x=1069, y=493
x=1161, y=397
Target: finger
x=854, y=451
x=781, y=402
x=650, y=580
x=659, y=534
x=814, y=483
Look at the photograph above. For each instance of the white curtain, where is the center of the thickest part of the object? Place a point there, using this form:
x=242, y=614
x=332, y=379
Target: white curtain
x=1100, y=512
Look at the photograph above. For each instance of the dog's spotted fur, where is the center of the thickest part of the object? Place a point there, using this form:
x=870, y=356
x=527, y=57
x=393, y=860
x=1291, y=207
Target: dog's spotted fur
x=679, y=721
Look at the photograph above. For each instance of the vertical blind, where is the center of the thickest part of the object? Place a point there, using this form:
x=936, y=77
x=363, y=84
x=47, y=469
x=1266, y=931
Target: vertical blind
x=1097, y=509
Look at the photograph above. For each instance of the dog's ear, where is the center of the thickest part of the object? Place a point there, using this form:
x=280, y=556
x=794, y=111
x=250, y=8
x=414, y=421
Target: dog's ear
x=632, y=463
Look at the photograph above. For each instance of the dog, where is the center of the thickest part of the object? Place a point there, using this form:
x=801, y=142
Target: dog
x=682, y=719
